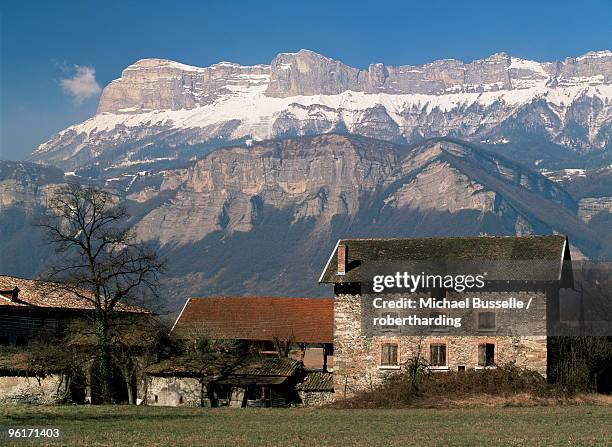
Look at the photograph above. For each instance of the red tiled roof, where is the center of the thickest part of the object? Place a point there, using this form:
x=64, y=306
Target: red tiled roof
x=305, y=320
x=35, y=293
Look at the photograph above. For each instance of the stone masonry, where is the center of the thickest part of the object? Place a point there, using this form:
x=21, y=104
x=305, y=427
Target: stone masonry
x=357, y=357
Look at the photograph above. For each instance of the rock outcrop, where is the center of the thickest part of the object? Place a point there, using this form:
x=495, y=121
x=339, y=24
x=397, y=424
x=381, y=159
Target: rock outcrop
x=159, y=84
x=27, y=185
x=262, y=218
x=241, y=213
x=591, y=206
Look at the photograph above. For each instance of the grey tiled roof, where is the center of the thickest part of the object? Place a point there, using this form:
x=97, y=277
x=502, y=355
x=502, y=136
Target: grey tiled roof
x=317, y=381
x=366, y=253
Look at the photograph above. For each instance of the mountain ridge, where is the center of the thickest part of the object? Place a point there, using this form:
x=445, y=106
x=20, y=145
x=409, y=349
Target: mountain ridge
x=160, y=112
x=261, y=219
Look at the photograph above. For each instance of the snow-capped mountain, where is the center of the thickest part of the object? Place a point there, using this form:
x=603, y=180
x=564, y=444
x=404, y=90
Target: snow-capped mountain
x=537, y=161
x=161, y=112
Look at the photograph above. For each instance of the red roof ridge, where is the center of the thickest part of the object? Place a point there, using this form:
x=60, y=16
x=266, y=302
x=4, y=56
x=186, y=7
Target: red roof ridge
x=307, y=320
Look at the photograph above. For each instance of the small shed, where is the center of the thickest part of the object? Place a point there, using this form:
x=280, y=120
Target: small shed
x=223, y=381
x=316, y=389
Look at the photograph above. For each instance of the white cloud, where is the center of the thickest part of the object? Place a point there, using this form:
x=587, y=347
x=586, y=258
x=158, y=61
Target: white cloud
x=82, y=85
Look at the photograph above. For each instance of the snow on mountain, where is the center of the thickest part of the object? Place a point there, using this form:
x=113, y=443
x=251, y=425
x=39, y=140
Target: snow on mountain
x=162, y=109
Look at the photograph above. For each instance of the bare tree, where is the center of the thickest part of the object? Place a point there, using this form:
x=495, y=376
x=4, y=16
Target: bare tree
x=99, y=261
x=416, y=366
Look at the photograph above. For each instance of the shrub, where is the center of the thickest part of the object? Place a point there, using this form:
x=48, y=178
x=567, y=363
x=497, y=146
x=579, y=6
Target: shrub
x=400, y=390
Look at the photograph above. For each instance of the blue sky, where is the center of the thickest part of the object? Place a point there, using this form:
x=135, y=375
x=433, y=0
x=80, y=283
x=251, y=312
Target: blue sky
x=43, y=43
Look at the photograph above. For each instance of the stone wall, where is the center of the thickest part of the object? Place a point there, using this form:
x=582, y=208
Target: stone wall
x=316, y=398
x=29, y=390
x=174, y=391
x=357, y=357
x=186, y=392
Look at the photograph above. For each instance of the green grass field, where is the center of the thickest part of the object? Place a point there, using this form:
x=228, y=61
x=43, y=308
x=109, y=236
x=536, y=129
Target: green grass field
x=155, y=426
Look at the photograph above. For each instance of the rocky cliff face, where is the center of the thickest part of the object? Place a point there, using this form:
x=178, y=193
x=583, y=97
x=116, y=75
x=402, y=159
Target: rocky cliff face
x=24, y=192
x=160, y=113
x=262, y=219
x=27, y=185
x=592, y=206
x=158, y=84
x=229, y=190
x=307, y=73
x=162, y=84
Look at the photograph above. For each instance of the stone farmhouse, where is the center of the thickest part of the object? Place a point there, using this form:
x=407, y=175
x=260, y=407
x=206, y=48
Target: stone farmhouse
x=361, y=360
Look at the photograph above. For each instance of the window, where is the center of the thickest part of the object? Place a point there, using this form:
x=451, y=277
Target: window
x=461, y=368
x=388, y=355
x=486, y=354
x=437, y=354
x=437, y=293
x=438, y=327
x=390, y=327
x=486, y=321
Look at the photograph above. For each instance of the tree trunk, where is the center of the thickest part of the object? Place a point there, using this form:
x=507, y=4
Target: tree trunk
x=130, y=392
x=244, y=398
x=103, y=357
x=66, y=384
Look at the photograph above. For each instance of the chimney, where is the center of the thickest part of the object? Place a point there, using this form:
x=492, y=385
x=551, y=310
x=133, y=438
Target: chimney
x=342, y=258
x=14, y=294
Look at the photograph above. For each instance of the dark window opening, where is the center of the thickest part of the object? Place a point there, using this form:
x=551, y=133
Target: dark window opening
x=437, y=293
x=389, y=355
x=437, y=354
x=223, y=392
x=156, y=398
x=461, y=368
x=486, y=354
x=486, y=321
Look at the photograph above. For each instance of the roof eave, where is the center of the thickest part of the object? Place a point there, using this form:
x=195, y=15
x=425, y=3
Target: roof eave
x=327, y=264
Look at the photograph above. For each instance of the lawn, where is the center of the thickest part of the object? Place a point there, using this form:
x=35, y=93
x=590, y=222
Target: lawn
x=156, y=426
